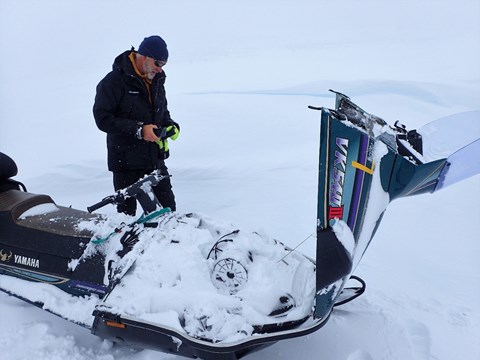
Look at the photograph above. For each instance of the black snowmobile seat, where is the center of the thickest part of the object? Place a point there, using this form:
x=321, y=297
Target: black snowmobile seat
x=54, y=231
x=64, y=221
x=8, y=169
x=17, y=202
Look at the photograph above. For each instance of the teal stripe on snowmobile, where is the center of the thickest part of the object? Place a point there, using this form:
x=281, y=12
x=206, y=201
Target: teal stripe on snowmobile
x=141, y=220
x=145, y=218
x=102, y=240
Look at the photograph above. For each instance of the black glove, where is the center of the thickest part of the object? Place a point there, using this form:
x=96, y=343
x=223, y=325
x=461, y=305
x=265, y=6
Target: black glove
x=170, y=131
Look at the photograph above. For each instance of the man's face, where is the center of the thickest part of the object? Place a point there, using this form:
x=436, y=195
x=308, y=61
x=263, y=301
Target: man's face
x=152, y=67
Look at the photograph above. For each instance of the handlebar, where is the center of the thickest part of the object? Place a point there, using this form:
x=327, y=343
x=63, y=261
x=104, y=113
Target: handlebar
x=138, y=191
x=108, y=200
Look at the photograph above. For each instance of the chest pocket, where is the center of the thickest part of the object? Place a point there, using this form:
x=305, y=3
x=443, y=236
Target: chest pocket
x=135, y=106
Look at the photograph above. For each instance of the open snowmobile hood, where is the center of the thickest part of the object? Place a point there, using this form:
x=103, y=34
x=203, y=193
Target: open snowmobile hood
x=364, y=164
x=227, y=292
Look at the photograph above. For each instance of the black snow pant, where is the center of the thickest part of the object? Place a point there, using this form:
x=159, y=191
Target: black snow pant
x=163, y=191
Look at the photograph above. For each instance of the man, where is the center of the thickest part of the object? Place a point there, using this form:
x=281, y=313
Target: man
x=131, y=107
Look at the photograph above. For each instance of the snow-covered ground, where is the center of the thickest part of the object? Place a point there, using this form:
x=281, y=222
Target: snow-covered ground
x=240, y=77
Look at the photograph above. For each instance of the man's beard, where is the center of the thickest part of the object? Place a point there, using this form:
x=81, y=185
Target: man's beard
x=148, y=71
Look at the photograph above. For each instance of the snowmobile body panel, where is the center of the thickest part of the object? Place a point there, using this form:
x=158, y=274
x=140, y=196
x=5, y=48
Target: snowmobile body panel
x=345, y=170
x=40, y=247
x=345, y=175
x=139, y=333
x=364, y=164
x=401, y=178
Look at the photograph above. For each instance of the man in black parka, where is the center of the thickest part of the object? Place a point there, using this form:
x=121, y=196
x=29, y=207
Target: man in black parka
x=131, y=107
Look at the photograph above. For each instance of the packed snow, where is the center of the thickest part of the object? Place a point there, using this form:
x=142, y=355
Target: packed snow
x=176, y=261
x=240, y=77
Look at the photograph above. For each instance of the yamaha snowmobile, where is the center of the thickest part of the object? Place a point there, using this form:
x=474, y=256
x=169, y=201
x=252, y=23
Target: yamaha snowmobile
x=196, y=287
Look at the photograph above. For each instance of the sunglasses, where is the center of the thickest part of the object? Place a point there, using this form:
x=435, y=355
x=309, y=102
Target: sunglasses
x=159, y=63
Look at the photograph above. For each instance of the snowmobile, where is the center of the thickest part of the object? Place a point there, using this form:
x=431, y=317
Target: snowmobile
x=228, y=292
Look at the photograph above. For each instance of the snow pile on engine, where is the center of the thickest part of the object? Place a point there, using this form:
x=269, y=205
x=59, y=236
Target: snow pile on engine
x=205, y=278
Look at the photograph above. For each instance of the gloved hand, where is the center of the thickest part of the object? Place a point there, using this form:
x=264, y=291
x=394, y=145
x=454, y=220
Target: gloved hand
x=172, y=132
x=162, y=144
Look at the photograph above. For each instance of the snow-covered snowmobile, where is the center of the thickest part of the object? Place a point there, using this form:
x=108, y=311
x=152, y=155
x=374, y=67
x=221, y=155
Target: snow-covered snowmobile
x=226, y=292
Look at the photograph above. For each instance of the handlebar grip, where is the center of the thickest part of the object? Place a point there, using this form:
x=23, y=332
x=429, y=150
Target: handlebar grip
x=106, y=201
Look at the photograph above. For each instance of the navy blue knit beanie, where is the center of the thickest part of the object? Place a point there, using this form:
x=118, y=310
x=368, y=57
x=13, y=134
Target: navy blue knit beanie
x=154, y=47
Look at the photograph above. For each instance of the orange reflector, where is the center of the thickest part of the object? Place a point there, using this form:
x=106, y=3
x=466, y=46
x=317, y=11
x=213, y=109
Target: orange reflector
x=115, y=324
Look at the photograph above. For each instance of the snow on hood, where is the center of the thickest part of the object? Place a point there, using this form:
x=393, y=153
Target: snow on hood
x=166, y=278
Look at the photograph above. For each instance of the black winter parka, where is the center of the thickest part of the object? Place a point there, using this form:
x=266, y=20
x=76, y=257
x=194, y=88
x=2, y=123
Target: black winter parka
x=122, y=104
